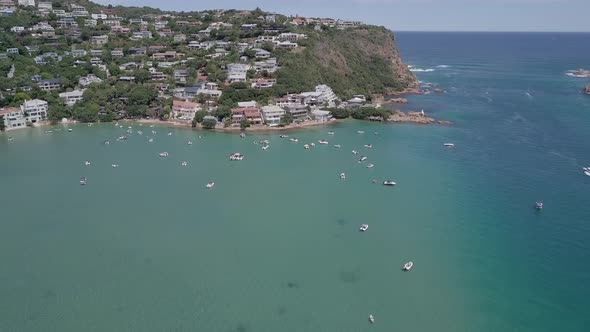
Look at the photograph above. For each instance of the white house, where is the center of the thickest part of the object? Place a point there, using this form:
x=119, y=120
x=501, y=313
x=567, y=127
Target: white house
x=237, y=72
x=99, y=16
x=35, y=110
x=89, y=79
x=25, y=3
x=70, y=98
x=272, y=115
x=17, y=29
x=14, y=118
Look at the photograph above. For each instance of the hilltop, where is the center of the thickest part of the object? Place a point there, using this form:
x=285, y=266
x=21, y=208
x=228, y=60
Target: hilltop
x=92, y=62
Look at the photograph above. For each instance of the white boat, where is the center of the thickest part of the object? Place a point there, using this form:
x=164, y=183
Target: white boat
x=10, y=139
x=87, y=163
x=48, y=131
x=322, y=142
x=370, y=166
x=337, y=146
x=107, y=142
x=355, y=152
x=586, y=169
x=375, y=133
x=388, y=183
x=129, y=127
x=587, y=173
x=408, y=266
x=539, y=205
x=242, y=135
x=152, y=126
x=264, y=147
x=153, y=132
x=371, y=319
x=363, y=158
x=364, y=227
x=114, y=165
x=83, y=181
x=312, y=144
x=360, y=132
x=369, y=146
x=236, y=156
x=330, y=133
x=283, y=136
x=190, y=143
x=184, y=163
x=140, y=132
x=306, y=146
x=70, y=129
x=449, y=145
x=150, y=140
x=293, y=140
x=169, y=134
x=164, y=154
x=342, y=176
x=210, y=185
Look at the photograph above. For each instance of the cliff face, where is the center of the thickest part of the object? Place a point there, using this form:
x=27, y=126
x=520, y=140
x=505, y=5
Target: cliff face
x=354, y=61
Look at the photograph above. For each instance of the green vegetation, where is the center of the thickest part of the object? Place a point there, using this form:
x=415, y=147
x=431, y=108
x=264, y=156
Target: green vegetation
x=360, y=113
x=209, y=123
x=2, y=125
x=244, y=124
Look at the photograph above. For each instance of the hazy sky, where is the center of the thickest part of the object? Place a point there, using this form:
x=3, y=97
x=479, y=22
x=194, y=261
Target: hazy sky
x=416, y=15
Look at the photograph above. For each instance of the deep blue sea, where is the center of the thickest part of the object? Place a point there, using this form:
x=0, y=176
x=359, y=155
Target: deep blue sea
x=275, y=245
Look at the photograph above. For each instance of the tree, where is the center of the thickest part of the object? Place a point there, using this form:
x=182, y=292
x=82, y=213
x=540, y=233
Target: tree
x=199, y=115
x=286, y=119
x=209, y=123
x=339, y=113
x=2, y=126
x=244, y=124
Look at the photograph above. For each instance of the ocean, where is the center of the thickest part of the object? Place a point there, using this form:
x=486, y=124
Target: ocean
x=275, y=245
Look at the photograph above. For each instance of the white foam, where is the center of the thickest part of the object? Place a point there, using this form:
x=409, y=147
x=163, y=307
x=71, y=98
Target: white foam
x=442, y=66
x=428, y=70
x=572, y=75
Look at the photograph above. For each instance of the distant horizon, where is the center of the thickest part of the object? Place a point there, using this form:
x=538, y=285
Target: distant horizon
x=409, y=16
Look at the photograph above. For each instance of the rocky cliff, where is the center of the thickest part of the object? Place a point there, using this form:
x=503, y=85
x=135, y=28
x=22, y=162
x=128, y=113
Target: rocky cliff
x=362, y=60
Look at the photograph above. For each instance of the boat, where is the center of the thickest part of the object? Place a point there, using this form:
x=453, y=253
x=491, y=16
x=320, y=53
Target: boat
x=169, y=134
x=388, y=183
x=370, y=166
x=140, y=132
x=375, y=133
x=153, y=132
x=369, y=146
x=330, y=133
x=449, y=145
x=87, y=163
x=48, y=131
x=150, y=140
x=184, y=163
x=322, y=142
x=236, y=156
x=266, y=142
x=164, y=154
x=408, y=266
x=312, y=144
x=190, y=143
x=364, y=227
x=264, y=147
x=587, y=173
x=371, y=319
x=293, y=140
x=83, y=181
x=115, y=165
x=152, y=126
x=539, y=205
x=283, y=136
x=129, y=127
x=363, y=158
x=242, y=135
x=69, y=129
x=107, y=142
x=337, y=146
x=586, y=169
x=342, y=176
x=360, y=132
x=10, y=138
x=210, y=185
x=306, y=146
x=355, y=152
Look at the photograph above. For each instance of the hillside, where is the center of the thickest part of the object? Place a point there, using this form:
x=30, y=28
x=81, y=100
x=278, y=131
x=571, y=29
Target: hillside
x=364, y=60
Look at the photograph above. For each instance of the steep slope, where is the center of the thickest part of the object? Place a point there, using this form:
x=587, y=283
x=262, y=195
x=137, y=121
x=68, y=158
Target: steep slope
x=355, y=61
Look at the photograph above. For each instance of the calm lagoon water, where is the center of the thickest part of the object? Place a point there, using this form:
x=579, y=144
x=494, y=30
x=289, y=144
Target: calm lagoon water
x=275, y=246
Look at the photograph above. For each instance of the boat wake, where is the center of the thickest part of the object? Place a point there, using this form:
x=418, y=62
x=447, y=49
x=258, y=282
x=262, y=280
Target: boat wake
x=443, y=66
x=420, y=70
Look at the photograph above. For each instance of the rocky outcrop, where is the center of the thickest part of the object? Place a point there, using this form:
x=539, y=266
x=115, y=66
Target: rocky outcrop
x=410, y=117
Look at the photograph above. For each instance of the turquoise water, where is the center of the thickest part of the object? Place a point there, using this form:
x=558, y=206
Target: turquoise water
x=275, y=246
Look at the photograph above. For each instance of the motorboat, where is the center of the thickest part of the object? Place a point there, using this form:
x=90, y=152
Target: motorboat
x=153, y=132
x=189, y=142
x=169, y=134
x=360, y=132
x=164, y=154
x=210, y=185
x=83, y=181
x=337, y=146
x=363, y=158
x=69, y=129
x=10, y=139
x=184, y=163
x=264, y=147
x=243, y=135
x=87, y=163
x=539, y=205
x=129, y=127
x=586, y=169
x=151, y=126
x=306, y=146
x=369, y=146
x=140, y=132
x=364, y=227
x=355, y=152
x=388, y=183
x=342, y=176
x=371, y=319
x=312, y=144
x=293, y=140
x=330, y=133
x=129, y=131
x=370, y=166
x=48, y=131
x=375, y=133
x=266, y=142
x=322, y=142
x=236, y=156
x=408, y=266
x=150, y=140
x=107, y=142
x=115, y=165
x=449, y=145
x=283, y=136
x=587, y=173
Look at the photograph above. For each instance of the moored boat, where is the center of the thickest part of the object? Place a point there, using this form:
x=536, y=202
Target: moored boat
x=337, y=146
x=355, y=152
x=264, y=147
x=360, y=132
x=306, y=146
x=369, y=146
x=587, y=173
x=342, y=176
x=539, y=205
x=370, y=166
x=83, y=181
x=449, y=145
x=164, y=154
x=330, y=133
x=363, y=158
x=388, y=183
x=184, y=163
x=236, y=156
x=283, y=136
x=364, y=227
x=293, y=140
x=371, y=319
x=243, y=135
x=210, y=185
x=115, y=165
x=189, y=142
x=323, y=142
x=87, y=163
x=408, y=266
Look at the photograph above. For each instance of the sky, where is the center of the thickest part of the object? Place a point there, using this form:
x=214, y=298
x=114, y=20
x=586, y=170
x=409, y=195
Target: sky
x=414, y=15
